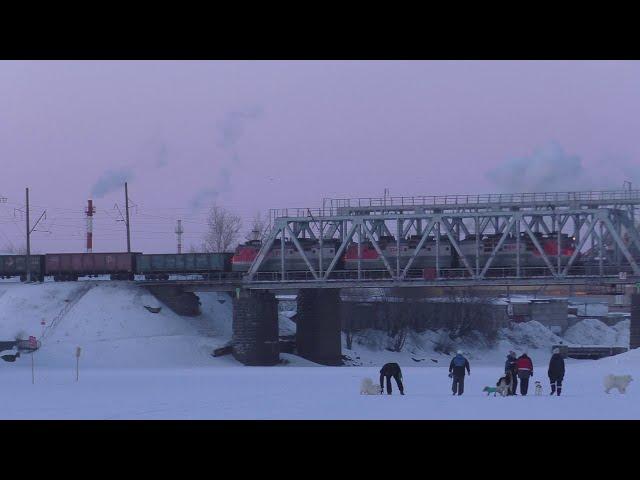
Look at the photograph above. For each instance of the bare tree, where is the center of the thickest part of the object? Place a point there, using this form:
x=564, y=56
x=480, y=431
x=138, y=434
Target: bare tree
x=194, y=249
x=258, y=228
x=223, y=230
x=401, y=315
x=349, y=331
x=468, y=313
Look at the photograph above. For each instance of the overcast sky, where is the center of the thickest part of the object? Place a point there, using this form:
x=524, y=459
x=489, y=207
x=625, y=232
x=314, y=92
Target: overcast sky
x=258, y=135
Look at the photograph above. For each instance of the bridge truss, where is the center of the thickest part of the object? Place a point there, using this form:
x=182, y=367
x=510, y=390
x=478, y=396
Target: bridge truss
x=602, y=224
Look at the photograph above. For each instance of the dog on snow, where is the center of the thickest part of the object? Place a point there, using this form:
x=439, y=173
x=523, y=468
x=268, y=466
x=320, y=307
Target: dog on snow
x=367, y=387
x=503, y=390
x=621, y=382
x=538, y=388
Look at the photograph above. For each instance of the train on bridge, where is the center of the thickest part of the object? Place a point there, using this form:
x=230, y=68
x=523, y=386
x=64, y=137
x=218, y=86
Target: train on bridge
x=437, y=257
x=435, y=253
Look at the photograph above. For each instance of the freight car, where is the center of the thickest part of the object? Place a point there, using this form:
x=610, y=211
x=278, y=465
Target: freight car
x=16, y=266
x=160, y=266
x=70, y=266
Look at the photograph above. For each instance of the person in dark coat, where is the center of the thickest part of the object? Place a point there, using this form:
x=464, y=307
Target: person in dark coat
x=456, y=371
x=525, y=371
x=556, y=371
x=511, y=367
x=391, y=370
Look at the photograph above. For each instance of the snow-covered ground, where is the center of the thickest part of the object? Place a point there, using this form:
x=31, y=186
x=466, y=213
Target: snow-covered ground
x=305, y=393
x=137, y=364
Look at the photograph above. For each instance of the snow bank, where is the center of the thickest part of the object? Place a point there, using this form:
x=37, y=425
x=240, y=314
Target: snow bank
x=109, y=321
x=529, y=335
x=373, y=347
x=591, y=331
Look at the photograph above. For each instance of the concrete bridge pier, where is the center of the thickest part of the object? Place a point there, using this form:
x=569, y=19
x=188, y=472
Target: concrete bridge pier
x=177, y=299
x=634, y=337
x=255, y=328
x=318, y=322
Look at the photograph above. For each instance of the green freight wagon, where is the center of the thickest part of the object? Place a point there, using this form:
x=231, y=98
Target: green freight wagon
x=16, y=266
x=160, y=266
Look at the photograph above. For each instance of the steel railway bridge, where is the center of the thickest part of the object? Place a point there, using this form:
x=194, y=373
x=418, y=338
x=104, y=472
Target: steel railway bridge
x=602, y=223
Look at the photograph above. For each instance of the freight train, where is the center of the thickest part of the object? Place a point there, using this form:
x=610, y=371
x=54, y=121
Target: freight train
x=119, y=266
x=124, y=266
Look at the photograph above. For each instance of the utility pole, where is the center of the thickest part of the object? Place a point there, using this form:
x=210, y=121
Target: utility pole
x=126, y=197
x=28, y=242
x=179, y=232
x=29, y=230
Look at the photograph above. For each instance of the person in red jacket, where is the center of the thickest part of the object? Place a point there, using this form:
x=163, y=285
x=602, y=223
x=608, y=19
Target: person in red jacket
x=525, y=370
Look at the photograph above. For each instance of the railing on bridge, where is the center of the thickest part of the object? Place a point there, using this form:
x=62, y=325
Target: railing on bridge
x=337, y=206
x=604, y=196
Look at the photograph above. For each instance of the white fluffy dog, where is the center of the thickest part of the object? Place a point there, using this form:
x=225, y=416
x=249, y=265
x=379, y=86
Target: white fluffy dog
x=621, y=382
x=367, y=387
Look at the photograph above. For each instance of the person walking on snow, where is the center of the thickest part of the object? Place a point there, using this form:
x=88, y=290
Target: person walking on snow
x=556, y=371
x=510, y=368
x=456, y=371
x=525, y=370
x=391, y=370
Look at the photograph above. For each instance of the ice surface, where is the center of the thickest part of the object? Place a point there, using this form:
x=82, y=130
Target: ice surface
x=136, y=364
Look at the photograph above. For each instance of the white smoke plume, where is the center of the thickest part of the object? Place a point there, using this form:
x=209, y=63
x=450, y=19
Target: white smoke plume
x=547, y=169
x=110, y=181
x=230, y=130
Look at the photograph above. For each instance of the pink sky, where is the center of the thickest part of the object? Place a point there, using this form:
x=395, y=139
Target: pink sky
x=260, y=135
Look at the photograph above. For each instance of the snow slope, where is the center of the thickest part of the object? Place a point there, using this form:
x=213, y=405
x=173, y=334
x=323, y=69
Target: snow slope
x=109, y=322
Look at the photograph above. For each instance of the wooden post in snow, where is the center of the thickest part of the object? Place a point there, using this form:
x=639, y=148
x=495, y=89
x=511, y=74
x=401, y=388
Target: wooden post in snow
x=78, y=350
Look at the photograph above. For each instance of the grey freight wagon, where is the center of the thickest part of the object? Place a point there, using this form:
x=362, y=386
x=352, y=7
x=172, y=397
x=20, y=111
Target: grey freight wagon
x=160, y=266
x=16, y=266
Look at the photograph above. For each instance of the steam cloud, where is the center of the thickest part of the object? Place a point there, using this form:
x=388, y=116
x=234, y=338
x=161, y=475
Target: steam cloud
x=232, y=126
x=230, y=130
x=110, y=181
x=162, y=158
x=547, y=169
x=205, y=196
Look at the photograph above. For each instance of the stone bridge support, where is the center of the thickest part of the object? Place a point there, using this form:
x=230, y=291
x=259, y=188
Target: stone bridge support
x=177, y=299
x=255, y=328
x=318, y=322
x=634, y=337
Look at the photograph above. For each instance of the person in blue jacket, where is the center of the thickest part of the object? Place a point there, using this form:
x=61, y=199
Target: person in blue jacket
x=457, y=370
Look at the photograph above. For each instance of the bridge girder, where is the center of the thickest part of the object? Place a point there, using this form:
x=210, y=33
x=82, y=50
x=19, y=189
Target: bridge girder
x=585, y=224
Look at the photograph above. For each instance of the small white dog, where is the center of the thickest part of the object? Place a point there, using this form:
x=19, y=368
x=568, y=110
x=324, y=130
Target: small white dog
x=367, y=387
x=538, y=388
x=621, y=382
